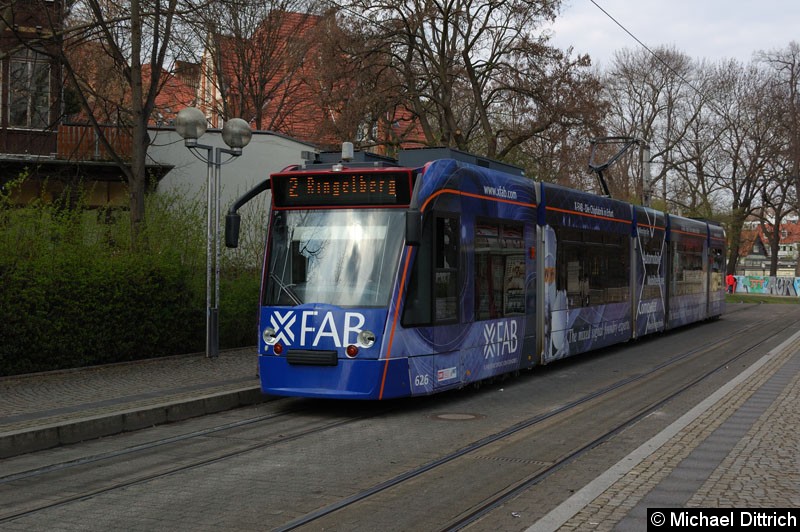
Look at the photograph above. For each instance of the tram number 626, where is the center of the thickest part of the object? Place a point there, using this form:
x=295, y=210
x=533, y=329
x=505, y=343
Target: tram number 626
x=422, y=380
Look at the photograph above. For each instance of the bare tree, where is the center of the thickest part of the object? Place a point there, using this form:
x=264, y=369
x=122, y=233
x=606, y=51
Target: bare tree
x=257, y=51
x=112, y=54
x=778, y=202
x=658, y=97
x=476, y=74
x=784, y=66
x=749, y=144
x=359, y=88
x=693, y=163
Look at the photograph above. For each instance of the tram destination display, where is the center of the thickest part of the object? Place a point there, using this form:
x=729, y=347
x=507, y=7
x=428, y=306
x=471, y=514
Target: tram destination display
x=353, y=188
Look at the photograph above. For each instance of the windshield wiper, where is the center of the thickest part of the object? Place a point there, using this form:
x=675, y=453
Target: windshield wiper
x=287, y=288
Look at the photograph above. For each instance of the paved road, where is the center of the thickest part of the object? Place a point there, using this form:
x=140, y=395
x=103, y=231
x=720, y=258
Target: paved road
x=736, y=446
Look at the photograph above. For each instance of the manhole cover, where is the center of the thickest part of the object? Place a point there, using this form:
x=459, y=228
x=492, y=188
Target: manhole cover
x=457, y=417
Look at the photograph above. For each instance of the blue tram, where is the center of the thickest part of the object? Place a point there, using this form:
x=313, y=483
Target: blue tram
x=396, y=280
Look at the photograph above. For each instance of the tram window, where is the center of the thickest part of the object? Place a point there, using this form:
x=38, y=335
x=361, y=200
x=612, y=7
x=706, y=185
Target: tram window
x=617, y=251
x=499, y=270
x=446, y=253
x=565, y=234
x=299, y=264
x=432, y=294
x=592, y=267
x=717, y=260
x=417, y=309
x=688, y=266
x=595, y=237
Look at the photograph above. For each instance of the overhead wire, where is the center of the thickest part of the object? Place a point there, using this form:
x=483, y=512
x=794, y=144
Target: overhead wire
x=650, y=51
x=705, y=97
x=661, y=60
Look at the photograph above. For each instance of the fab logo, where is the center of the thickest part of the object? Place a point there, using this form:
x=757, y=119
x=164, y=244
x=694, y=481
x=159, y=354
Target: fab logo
x=313, y=328
x=500, y=338
x=282, y=325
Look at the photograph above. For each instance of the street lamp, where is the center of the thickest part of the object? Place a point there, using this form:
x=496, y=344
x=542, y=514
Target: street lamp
x=191, y=124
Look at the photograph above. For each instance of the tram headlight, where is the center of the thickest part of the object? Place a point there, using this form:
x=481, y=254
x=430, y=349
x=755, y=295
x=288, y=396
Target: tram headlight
x=269, y=336
x=366, y=339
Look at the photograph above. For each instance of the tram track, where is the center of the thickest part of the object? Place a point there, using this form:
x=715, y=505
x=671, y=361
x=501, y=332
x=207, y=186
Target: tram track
x=122, y=454
x=4, y=479
x=519, y=488
x=284, y=411
x=491, y=503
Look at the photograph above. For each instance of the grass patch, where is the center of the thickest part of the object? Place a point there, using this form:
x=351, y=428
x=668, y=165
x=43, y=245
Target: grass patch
x=761, y=298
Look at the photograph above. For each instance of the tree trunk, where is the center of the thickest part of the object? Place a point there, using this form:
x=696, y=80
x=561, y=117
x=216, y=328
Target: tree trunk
x=735, y=228
x=775, y=245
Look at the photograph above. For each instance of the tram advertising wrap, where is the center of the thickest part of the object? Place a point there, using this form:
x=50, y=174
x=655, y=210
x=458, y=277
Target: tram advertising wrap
x=650, y=260
x=386, y=281
x=587, y=243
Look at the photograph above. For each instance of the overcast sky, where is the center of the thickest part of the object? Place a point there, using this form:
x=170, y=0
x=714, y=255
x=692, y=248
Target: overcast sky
x=711, y=29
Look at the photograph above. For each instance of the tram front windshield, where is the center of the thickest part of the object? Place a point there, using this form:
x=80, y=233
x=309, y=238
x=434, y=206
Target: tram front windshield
x=340, y=257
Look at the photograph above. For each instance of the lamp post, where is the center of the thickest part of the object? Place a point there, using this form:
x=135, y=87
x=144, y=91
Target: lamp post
x=191, y=124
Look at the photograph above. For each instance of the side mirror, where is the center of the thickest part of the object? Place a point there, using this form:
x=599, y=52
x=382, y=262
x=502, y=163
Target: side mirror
x=413, y=227
x=233, y=220
x=232, y=223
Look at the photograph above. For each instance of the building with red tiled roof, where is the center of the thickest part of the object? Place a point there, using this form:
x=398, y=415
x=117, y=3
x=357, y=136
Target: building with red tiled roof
x=266, y=78
x=43, y=135
x=178, y=90
x=755, y=251
x=270, y=80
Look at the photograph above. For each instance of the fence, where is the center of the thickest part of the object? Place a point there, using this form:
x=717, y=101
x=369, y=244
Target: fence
x=81, y=143
x=773, y=286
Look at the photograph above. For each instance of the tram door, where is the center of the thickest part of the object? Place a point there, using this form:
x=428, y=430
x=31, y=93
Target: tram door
x=716, y=271
x=434, y=304
x=503, y=281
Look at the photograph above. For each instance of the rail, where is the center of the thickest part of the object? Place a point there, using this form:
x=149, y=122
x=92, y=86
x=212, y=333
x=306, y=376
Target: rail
x=82, y=143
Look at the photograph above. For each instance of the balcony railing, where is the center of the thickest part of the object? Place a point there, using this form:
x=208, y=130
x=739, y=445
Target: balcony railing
x=81, y=143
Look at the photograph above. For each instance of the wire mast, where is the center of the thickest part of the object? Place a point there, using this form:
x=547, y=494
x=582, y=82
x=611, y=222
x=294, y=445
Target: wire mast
x=627, y=143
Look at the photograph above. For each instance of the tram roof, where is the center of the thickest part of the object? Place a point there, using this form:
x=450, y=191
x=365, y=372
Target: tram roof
x=412, y=158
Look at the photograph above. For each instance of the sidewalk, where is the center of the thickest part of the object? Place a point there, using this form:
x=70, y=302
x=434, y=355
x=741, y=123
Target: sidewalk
x=44, y=410
x=737, y=449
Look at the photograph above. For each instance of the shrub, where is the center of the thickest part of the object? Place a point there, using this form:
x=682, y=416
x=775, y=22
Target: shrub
x=73, y=294
x=239, y=308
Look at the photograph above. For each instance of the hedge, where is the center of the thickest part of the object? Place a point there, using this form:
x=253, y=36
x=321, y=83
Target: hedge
x=72, y=293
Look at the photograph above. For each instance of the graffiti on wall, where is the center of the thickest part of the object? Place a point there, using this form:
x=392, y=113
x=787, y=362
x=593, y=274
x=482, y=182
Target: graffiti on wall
x=773, y=286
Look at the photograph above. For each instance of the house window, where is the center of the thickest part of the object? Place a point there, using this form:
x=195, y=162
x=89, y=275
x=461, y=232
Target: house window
x=367, y=130
x=29, y=90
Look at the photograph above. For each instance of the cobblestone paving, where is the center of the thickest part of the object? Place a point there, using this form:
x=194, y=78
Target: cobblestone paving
x=762, y=469
x=59, y=392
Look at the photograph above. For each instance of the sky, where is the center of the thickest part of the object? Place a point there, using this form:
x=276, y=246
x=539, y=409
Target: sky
x=710, y=29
